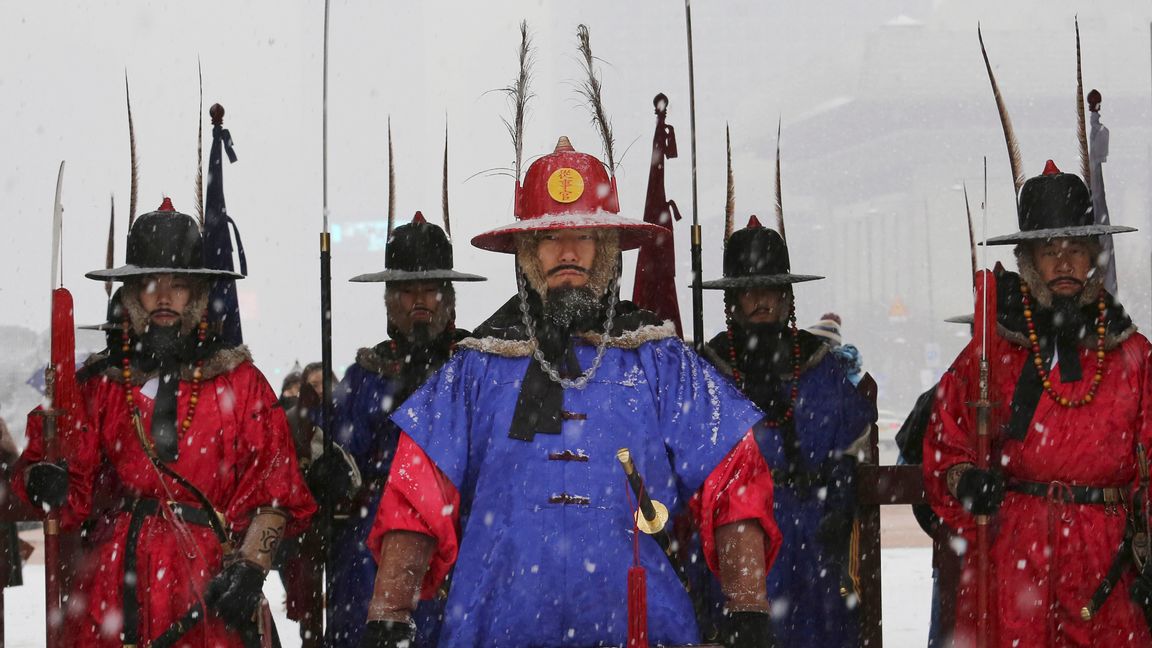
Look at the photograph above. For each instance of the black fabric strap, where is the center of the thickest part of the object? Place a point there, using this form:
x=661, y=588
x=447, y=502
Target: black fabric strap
x=1029, y=389
x=165, y=434
x=540, y=405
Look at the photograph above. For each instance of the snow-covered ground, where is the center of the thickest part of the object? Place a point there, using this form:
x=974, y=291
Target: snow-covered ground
x=907, y=593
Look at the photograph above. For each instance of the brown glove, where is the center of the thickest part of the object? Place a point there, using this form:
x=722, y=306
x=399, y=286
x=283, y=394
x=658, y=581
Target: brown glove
x=743, y=573
x=404, y=559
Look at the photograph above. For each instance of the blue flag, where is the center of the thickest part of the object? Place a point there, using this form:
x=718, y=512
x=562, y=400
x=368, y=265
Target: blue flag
x=223, y=305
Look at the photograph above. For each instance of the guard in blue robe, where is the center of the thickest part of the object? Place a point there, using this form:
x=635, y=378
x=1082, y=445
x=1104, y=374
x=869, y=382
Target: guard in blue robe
x=816, y=422
x=418, y=262
x=507, y=472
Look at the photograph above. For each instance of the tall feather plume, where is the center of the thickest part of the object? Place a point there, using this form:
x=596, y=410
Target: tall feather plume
x=779, y=192
x=444, y=188
x=730, y=203
x=1082, y=126
x=200, y=150
x=132, y=152
x=110, y=255
x=590, y=90
x=971, y=233
x=1005, y=121
x=391, y=182
x=519, y=96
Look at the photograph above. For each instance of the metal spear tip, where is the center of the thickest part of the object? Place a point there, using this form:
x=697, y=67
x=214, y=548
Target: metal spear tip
x=217, y=114
x=660, y=101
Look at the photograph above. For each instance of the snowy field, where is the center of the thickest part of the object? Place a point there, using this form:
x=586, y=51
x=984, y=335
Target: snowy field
x=907, y=593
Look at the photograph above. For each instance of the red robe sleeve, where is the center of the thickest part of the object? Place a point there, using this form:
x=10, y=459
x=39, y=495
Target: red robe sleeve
x=419, y=498
x=79, y=449
x=738, y=488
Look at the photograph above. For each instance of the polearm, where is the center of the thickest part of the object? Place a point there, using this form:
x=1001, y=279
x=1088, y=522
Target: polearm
x=326, y=336
x=985, y=292
x=697, y=237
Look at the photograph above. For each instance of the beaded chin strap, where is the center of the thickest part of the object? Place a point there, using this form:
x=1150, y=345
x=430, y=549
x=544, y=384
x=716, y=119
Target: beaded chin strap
x=1038, y=360
x=530, y=325
x=738, y=377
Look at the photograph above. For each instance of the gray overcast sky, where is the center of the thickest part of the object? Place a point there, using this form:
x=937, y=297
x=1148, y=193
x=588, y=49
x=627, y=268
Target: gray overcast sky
x=61, y=79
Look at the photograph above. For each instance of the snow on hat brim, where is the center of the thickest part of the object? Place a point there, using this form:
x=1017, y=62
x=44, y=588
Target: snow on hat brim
x=633, y=233
x=126, y=272
x=415, y=275
x=757, y=281
x=1078, y=231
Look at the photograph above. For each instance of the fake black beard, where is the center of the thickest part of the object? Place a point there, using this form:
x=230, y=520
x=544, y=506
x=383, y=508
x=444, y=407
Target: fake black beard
x=420, y=335
x=766, y=347
x=162, y=341
x=567, y=306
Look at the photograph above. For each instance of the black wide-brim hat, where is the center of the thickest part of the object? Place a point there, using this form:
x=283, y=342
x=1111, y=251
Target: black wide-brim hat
x=163, y=242
x=1055, y=205
x=756, y=257
x=417, y=251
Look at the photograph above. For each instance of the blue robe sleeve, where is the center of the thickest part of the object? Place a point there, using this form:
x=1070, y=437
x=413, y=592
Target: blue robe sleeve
x=438, y=416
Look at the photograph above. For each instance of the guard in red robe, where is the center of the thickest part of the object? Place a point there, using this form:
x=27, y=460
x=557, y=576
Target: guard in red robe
x=191, y=433
x=1071, y=383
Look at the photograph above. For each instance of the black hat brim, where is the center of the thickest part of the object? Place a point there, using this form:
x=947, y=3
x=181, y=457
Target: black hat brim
x=961, y=319
x=757, y=281
x=125, y=272
x=1077, y=231
x=411, y=275
x=106, y=326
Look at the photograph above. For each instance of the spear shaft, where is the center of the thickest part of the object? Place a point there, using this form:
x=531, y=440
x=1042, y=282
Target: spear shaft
x=326, y=337
x=697, y=238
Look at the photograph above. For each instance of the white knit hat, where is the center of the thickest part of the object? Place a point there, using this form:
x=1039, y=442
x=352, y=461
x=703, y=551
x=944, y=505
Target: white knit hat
x=828, y=328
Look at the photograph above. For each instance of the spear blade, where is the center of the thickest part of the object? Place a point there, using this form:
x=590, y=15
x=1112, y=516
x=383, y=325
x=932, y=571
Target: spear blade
x=57, y=223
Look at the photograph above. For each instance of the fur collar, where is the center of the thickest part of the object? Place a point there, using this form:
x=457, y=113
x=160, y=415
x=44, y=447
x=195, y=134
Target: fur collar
x=1011, y=326
x=380, y=359
x=629, y=339
x=219, y=363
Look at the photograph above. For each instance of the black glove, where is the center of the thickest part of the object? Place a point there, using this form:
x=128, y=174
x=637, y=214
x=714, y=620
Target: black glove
x=747, y=630
x=980, y=491
x=835, y=531
x=388, y=634
x=331, y=473
x=234, y=594
x=46, y=483
x=1141, y=590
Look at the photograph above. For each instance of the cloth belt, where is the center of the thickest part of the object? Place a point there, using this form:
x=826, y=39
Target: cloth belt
x=1110, y=496
x=139, y=510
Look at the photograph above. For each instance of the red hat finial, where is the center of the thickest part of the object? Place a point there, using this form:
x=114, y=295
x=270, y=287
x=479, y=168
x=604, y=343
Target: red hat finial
x=563, y=145
x=753, y=222
x=1050, y=168
x=166, y=205
x=419, y=218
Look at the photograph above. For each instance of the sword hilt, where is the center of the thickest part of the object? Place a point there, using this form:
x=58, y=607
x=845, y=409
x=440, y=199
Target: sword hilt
x=652, y=515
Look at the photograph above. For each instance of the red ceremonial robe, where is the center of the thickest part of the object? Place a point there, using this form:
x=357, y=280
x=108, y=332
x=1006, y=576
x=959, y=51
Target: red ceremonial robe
x=1047, y=558
x=238, y=451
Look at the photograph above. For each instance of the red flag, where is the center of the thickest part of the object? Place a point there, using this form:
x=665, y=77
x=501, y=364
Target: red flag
x=655, y=285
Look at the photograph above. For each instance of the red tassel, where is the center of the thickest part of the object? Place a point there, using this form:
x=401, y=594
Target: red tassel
x=65, y=397
x=637, y=608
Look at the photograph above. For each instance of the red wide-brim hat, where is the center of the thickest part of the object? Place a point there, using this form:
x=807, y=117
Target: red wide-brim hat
x=567, y=190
